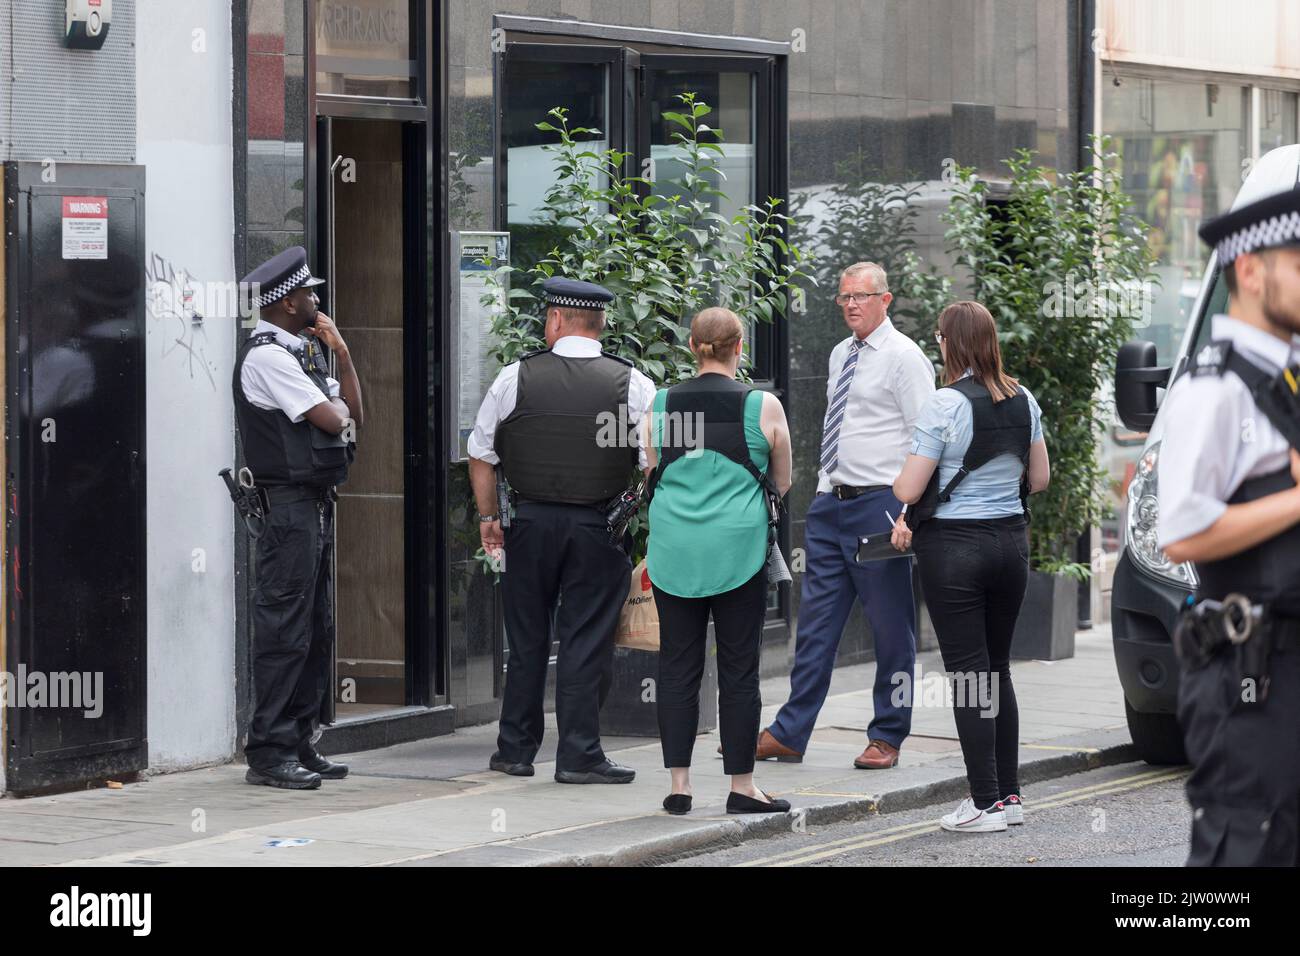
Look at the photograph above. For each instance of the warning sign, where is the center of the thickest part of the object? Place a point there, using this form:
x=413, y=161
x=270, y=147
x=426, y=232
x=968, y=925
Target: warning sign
x=85, y=227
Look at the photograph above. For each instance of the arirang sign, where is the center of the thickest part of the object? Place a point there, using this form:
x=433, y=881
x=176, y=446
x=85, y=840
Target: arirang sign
x=377, y=24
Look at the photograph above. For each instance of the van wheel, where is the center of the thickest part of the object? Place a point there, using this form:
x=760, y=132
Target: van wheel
x=1157, y=737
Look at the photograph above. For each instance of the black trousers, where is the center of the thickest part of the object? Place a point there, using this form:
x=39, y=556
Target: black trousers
x=738, y=631
x=1245, y=786
x=293, y=629
x=559, y=555
x=973, y=576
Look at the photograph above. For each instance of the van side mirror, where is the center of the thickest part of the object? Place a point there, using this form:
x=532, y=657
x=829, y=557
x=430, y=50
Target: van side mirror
x=1136, y=379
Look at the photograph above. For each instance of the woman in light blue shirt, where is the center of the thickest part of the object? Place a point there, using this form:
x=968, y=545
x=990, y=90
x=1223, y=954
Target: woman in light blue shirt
x=977, y=454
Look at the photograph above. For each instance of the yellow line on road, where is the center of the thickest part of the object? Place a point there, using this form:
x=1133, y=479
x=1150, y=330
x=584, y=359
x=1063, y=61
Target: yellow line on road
x=833, y=848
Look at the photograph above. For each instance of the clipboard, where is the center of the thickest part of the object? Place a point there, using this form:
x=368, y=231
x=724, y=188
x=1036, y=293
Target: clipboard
x=878, y=547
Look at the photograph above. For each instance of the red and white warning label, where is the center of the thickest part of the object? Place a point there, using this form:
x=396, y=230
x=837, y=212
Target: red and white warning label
x=85, y=227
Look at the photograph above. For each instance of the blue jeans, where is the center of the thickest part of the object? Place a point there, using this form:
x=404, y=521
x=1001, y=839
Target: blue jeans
x=832, y=580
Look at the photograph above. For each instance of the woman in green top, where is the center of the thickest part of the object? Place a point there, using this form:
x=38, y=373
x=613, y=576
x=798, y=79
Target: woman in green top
x=714, y=438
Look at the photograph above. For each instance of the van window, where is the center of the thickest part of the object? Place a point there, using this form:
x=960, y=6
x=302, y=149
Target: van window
x=1215, y=304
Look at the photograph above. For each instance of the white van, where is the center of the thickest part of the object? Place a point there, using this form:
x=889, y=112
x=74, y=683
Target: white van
x=1149, y=592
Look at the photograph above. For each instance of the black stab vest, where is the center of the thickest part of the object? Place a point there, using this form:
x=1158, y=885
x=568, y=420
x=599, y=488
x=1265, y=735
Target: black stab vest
x=998, y=428
x=1268, y=573
x=566, y=440
x=720, y=401
x=278, y=451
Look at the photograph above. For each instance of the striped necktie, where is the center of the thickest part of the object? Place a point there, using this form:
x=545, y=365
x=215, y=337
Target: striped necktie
x=835, y=412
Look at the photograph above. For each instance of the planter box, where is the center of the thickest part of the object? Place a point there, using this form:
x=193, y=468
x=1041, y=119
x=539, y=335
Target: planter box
x=628, y=712
x=1048, y=619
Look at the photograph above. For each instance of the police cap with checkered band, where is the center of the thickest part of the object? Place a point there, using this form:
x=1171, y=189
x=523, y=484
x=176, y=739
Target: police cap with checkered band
x=572, y=294
x=1267, y=223
x=279, y=276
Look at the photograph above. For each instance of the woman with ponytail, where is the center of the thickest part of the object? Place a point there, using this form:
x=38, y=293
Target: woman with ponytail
x=719, y=448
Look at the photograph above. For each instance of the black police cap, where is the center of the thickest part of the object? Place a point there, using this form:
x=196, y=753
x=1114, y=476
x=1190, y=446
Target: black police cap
x=1264, y=224
x=281, y=275
x=573, y=294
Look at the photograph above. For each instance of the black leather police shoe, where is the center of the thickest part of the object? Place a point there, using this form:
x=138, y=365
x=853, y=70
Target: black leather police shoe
x=607, y=772
x=320, y=764
x=501, y=765
x=289, y=775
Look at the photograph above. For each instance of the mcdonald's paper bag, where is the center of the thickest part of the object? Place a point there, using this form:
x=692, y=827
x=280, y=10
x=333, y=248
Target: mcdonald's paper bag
x=638, y=624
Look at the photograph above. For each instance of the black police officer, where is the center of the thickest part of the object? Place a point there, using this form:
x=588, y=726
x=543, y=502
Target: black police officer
x=297, y=430
x=542, y=420
x=1229, y=503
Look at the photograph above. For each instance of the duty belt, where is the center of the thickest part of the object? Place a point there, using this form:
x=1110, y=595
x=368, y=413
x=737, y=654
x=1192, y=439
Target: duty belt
x=1210, y=627
x=290, y=494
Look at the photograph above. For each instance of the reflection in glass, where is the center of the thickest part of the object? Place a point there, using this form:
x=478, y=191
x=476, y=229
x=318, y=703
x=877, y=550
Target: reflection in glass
x=1183, y=149
x=1277, y=119
x=532, y=90
x=732, y=97
x=363, y=48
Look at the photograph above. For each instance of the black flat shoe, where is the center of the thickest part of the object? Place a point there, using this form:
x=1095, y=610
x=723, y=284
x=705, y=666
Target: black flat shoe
x=607, y=772
x=514, y=769
x=739, y=803
x=678, y=804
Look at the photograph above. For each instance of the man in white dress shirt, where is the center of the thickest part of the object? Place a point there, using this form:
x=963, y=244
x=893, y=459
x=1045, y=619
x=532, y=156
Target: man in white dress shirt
x=879, y=380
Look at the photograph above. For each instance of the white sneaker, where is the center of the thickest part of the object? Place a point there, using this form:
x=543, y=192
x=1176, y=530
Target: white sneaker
x=1014, y=809
x=967, y=819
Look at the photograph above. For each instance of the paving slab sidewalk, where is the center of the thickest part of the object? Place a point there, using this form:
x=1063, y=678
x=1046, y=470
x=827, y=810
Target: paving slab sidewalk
x=431, y=803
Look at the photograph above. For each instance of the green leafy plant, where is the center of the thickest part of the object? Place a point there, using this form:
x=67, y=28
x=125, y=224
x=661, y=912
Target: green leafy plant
x=662, y=248
x=1066, y=271
x=867, y=220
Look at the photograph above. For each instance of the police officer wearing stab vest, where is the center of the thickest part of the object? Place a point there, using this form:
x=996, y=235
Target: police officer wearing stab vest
x=1229, y=504
x=546, y=420
x=295, y=424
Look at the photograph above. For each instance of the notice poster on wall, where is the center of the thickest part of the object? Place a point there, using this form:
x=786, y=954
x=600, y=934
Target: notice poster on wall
x=479, y=256
x=85, y=227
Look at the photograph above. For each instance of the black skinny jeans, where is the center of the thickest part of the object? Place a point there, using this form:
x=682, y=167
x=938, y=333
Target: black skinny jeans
x=738, y=631
x=973, y=576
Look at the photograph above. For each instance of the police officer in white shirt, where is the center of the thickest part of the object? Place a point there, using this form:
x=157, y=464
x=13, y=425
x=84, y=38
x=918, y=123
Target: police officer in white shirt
x=543, y=420
x=1229, y=503
x=879, y=381
x=296, y=427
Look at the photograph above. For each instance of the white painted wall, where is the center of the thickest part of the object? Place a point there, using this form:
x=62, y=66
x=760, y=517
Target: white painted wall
x=184, y=73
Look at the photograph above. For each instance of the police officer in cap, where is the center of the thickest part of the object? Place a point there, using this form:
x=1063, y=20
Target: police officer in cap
x=1229, y=503
x=296, y=425
x=543, y=421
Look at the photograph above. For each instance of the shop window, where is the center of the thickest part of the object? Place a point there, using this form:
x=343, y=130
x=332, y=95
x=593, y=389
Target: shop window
x=1277, y=119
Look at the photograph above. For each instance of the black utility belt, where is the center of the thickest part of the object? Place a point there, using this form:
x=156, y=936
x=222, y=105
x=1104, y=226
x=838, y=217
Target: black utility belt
x=849, y=492
x=291, y=494
x=1210, y=628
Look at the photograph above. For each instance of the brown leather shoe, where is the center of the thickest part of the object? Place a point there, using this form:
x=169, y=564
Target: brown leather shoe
x=769, y=747
x=878, y=756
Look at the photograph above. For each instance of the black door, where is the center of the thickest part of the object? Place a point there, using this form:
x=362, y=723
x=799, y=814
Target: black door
x=75, y=497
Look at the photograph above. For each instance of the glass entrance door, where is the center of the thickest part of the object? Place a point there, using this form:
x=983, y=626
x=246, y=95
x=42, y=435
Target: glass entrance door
x=362, y=178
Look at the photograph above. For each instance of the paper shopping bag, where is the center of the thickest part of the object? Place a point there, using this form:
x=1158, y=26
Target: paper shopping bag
x=638, y=624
